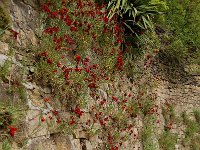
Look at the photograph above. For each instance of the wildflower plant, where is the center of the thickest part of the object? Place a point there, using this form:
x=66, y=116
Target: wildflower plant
x=79, y=51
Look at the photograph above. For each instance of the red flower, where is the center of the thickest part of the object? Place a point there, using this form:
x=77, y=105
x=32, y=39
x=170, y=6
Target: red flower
x=57, y=40
x=72, y=28
x=105, y=19
x=58, y=120
x=53, y=14
x=114, y=148
x=78, y=69
x=46, y=99
x=15, y=34
x=63, y=2
x=44, y=54
x=68, y=20
x=12, y=131
x=120, y=61
x=69, y=40
x=78, y=111
x=114, y=98
x=72, y=122
x=102, y=122
x=55, y=112
x=45, y=8
x=43, y=119
x=102, y=102
x=78, y=58
x=49, y=61
x=51, y=30
x=92, y=85
x=124, y=101
x=59, y=64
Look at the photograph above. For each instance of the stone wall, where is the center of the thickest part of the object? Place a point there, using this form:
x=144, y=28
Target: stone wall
x=24, y=16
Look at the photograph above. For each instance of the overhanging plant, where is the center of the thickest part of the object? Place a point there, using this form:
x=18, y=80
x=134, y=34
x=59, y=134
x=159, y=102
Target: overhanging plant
x=135, y=14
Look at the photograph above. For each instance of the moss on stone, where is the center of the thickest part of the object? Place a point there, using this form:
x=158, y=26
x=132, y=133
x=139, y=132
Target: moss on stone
x=4, y=18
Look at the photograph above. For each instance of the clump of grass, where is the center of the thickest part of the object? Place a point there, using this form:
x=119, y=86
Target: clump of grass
x=6, y=145
x=4, y=18
x=4, y=70
x=191, y=132
x=169, y=114
x=148, y=134
x=197, y=116
x=168, y=140
x=195, y=143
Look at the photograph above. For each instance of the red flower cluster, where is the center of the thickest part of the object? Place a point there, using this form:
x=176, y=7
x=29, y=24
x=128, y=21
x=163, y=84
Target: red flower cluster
x=114, y=98
x=72, y=120
x=78, y=111
x=120, y=61
x=51, y=30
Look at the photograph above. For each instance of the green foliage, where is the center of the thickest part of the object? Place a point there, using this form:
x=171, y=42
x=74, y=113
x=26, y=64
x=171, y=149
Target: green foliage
x=148, y=134
x=4, y=18
x=168, y=140
x=147, y=138
x=136, y=13
x=4, y=70
x=182, y=25
x=169, y=114
x=192, y=132
x=195, y=143
x=6, y=145
x=197, y=116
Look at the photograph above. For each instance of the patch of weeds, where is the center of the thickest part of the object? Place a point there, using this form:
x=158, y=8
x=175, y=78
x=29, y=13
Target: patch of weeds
x=197, y=116
x=4, y=70
x=170, y=67
x=5, y=120
x=10, y=114
x=6, y=145
x=148, y=134
x=192, y=128
x=195, y=143
x=19, y=91
x=4, y=18
x=146, y=138
x=169, y=114
x=191, y=132
x=22, y=93
x=168, y=140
